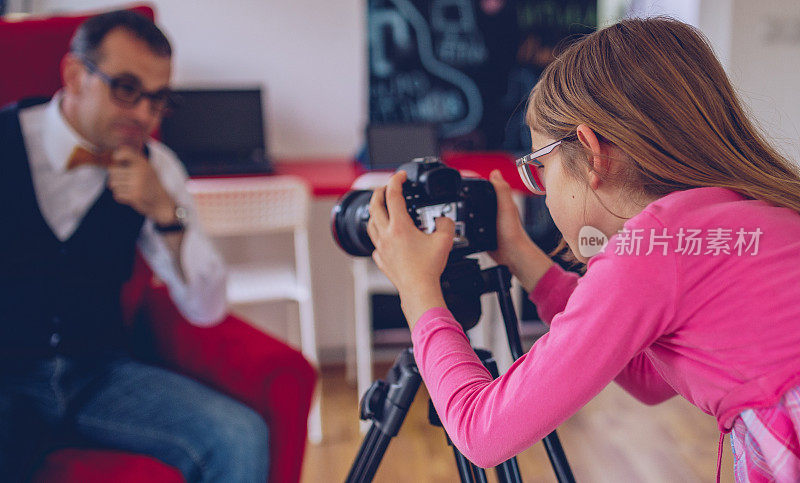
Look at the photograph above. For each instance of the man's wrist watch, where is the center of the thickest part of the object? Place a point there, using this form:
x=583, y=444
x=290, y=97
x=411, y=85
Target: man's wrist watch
x=181, y=220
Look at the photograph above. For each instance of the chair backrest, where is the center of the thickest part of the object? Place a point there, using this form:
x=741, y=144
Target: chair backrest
x=31, y=50
x=247, y=206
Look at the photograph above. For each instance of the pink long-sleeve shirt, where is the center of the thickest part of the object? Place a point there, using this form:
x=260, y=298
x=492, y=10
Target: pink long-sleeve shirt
x=721, y=329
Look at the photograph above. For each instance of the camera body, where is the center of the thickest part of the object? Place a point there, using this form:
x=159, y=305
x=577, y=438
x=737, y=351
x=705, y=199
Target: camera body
x=431, y=190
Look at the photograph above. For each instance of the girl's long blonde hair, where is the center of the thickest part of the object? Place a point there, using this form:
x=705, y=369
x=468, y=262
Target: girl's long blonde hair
x=654, y=89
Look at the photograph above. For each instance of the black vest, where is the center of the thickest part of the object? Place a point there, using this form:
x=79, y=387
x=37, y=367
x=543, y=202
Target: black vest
x=58, y=297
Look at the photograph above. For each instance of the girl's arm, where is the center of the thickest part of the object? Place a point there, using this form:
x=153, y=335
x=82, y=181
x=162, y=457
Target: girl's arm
x=639, y=378
x=552, y=291
x=620, y=307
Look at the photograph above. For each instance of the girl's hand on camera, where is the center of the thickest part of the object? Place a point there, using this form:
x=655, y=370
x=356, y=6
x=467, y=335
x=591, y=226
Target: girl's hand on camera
x=412, y=260
x=514, y=248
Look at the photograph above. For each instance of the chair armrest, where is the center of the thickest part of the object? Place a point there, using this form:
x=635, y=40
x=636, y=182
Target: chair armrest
x=247, y=364
x=82, y=465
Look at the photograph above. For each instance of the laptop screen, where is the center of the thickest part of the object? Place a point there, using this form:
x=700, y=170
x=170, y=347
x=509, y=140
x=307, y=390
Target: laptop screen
x=223, y=124
x=391, y=145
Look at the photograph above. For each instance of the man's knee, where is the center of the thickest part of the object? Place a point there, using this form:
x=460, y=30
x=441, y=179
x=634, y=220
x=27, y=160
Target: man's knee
x=238, y=449
x=247, y=431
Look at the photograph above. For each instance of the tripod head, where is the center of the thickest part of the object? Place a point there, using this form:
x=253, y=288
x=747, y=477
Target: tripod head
x=463, y=282
x=462, y=287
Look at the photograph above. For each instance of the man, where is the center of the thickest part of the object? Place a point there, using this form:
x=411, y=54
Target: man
x=70, y=228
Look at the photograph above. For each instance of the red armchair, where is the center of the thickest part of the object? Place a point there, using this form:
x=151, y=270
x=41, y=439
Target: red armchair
x=232, y=357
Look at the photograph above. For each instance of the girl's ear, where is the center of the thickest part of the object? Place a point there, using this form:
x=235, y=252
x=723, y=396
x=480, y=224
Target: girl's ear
x=599, y=162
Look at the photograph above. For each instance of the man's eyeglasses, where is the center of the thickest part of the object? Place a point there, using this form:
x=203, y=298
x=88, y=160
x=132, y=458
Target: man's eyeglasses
x=127, y=91
x=529, y=165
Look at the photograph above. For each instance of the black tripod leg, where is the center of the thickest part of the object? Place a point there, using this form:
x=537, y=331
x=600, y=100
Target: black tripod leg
x=374, y=459
x=499, y=279
x=557, y=458
x=386, y=403
x=468, y=472
x=507, y=471
x=479, y=474
x=463, y=465
x=369, y=456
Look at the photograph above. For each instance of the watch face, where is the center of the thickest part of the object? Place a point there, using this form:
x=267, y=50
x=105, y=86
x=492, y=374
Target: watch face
x=181, y=214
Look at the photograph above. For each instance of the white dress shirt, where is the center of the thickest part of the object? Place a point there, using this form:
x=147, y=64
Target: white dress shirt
x=65, y=197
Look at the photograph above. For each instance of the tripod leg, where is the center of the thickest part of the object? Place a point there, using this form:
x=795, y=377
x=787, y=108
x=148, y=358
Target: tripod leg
x=463, y=465
x=362, y=466
x=468, y=472
x=386, y=403
x=374, y=458
x=508, y=471
x=557, y=458
x=498, y=279
x=479, y=474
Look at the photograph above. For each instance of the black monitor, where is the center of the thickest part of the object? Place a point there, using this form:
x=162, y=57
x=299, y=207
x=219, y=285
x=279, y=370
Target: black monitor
x=218, y=131
x=390, y=145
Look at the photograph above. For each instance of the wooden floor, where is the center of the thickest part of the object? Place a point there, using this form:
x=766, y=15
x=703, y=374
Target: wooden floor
x=613, y=439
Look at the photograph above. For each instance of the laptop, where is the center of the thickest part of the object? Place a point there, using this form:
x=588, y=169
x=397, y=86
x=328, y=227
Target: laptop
x=390, y=145
x=219, y=132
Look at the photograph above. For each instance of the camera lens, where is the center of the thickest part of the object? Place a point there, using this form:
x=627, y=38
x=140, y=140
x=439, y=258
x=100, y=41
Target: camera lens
x=349, y=223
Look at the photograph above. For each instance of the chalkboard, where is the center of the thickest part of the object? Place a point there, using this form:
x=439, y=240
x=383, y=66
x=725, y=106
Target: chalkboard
x=467, y=65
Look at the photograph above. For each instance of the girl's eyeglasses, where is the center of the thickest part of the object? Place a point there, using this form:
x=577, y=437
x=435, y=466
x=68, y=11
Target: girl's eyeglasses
x=529, y=165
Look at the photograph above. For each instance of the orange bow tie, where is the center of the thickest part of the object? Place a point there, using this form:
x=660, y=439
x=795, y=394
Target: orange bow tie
x=81, y=156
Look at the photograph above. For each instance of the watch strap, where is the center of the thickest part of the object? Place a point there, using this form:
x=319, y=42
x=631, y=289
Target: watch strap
x=179, y=224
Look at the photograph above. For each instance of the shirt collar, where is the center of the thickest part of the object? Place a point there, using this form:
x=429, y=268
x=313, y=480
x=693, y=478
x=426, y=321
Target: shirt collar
x=59, y=138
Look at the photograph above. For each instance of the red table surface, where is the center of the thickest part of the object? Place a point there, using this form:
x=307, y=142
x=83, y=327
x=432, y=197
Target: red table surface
x=333, y=177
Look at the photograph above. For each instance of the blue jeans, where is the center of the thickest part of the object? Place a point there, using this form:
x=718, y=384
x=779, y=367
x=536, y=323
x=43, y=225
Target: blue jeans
x=119, y=403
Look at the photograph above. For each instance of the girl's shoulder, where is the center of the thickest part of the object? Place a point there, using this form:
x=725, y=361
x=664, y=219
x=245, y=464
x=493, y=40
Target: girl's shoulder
x=715, y=208
x=695, y=204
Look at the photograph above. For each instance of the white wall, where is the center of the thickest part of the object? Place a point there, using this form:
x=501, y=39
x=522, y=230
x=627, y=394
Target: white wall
x=765, y=67
x=684, y=10
x=310, y=55
x=758, y=43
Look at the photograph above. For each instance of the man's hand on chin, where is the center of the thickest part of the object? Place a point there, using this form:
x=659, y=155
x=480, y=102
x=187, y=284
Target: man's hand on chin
x=134, y=182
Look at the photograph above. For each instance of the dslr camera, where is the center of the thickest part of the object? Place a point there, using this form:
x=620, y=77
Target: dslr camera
x=431, y=190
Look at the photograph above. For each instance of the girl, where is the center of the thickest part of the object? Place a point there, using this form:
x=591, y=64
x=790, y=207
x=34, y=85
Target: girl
x=642, y=138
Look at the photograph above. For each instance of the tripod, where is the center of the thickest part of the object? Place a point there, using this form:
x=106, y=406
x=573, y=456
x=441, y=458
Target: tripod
x=386, y=403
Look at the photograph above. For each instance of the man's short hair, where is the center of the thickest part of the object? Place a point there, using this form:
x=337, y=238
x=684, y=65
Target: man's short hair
x=88, y=37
